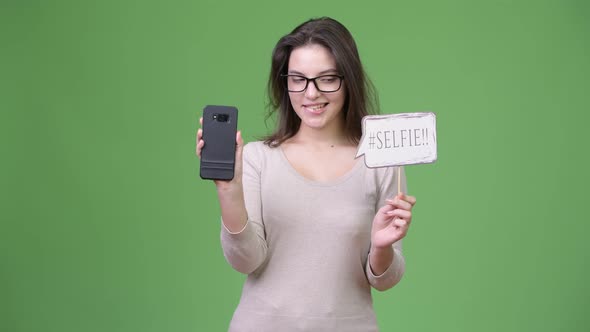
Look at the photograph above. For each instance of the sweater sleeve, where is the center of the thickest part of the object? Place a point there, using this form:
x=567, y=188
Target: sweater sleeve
x=246, y=250
x=395, y=272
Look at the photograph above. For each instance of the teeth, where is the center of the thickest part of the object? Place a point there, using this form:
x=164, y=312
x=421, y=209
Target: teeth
x=317, y=107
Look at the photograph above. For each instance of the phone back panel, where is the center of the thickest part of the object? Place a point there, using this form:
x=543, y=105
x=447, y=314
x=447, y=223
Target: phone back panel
x=219, y=133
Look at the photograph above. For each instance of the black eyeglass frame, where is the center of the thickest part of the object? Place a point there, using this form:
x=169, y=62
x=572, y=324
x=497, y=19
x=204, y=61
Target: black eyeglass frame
x=313, y=79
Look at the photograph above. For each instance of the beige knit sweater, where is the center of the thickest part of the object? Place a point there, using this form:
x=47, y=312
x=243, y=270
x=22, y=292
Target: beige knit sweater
x=305, y=247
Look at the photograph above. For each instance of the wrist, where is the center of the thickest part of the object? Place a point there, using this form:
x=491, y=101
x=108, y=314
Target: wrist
x=380, y=259
x=231, y=189
x=376, y=250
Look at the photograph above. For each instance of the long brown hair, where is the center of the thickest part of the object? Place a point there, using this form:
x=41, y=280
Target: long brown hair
x=361, y=98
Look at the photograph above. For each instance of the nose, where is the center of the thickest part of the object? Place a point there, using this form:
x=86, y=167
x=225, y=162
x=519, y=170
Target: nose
x=312, y=91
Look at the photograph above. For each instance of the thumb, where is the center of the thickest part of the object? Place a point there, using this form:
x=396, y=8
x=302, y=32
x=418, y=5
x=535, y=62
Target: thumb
x=239, y=149
x=385, y=208
x=239, y=143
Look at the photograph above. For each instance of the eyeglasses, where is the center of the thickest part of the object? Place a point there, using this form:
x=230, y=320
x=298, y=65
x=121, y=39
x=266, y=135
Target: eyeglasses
x=324, y=83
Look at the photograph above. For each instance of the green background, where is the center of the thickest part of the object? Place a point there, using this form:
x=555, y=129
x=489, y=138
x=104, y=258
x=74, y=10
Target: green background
x=106, y=225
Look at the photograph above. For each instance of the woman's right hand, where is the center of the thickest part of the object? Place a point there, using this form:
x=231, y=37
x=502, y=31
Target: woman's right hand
x=236, y=182
x=230, y=193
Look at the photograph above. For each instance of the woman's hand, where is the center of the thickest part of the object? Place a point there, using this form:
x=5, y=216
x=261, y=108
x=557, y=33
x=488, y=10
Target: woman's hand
x=230, y=193
x=392, y=221
x=236, y=182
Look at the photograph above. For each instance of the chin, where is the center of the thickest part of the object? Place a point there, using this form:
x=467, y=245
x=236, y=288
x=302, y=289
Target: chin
x=315, y=123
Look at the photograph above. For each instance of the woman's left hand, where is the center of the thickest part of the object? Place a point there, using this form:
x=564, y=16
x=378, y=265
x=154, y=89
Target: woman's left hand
x=392, y=221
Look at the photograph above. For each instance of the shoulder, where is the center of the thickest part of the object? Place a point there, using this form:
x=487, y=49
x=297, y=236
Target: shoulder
x=382, y=180
x=258, y=152
x=256, y=149
x=379, y=174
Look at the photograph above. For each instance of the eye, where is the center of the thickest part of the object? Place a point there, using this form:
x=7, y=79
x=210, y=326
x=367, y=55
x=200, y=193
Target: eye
x=328, y=79
x=297, y=79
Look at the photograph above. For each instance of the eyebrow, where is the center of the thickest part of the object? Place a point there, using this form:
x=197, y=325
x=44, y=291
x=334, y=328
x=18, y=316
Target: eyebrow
x=328, y=71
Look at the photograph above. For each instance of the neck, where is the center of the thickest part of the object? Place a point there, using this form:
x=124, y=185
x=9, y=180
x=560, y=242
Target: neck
x=328, y=136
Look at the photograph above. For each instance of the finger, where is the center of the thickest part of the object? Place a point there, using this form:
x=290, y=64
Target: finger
x=199, y=143
x=200, y=146
x=401, y=223
x=198, y=138
x=399, y=203
x=410, y=199
x=199, y=134
x=385, y=209
x=399, y=213
x=407, y=198
x=201, y=121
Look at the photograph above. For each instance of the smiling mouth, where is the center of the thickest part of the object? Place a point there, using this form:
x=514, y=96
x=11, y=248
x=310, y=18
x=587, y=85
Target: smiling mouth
x=317, y=108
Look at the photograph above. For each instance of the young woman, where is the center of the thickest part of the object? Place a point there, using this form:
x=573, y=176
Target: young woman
x=312, y=227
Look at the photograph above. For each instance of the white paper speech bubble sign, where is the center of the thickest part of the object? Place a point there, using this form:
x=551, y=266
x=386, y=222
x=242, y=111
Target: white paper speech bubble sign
x=398, y=139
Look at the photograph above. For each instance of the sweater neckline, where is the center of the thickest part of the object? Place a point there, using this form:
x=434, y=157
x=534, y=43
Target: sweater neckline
x=343, y=178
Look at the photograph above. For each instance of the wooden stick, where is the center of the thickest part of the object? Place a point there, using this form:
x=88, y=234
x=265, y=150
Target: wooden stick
x=399, y=180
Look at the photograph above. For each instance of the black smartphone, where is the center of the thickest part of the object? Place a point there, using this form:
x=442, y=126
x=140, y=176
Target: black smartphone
x=218, y=156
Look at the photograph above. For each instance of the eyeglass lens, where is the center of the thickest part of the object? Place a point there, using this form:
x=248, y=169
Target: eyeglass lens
x=325, y=83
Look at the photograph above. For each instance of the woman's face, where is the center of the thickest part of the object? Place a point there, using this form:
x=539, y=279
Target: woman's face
x=316, y=109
